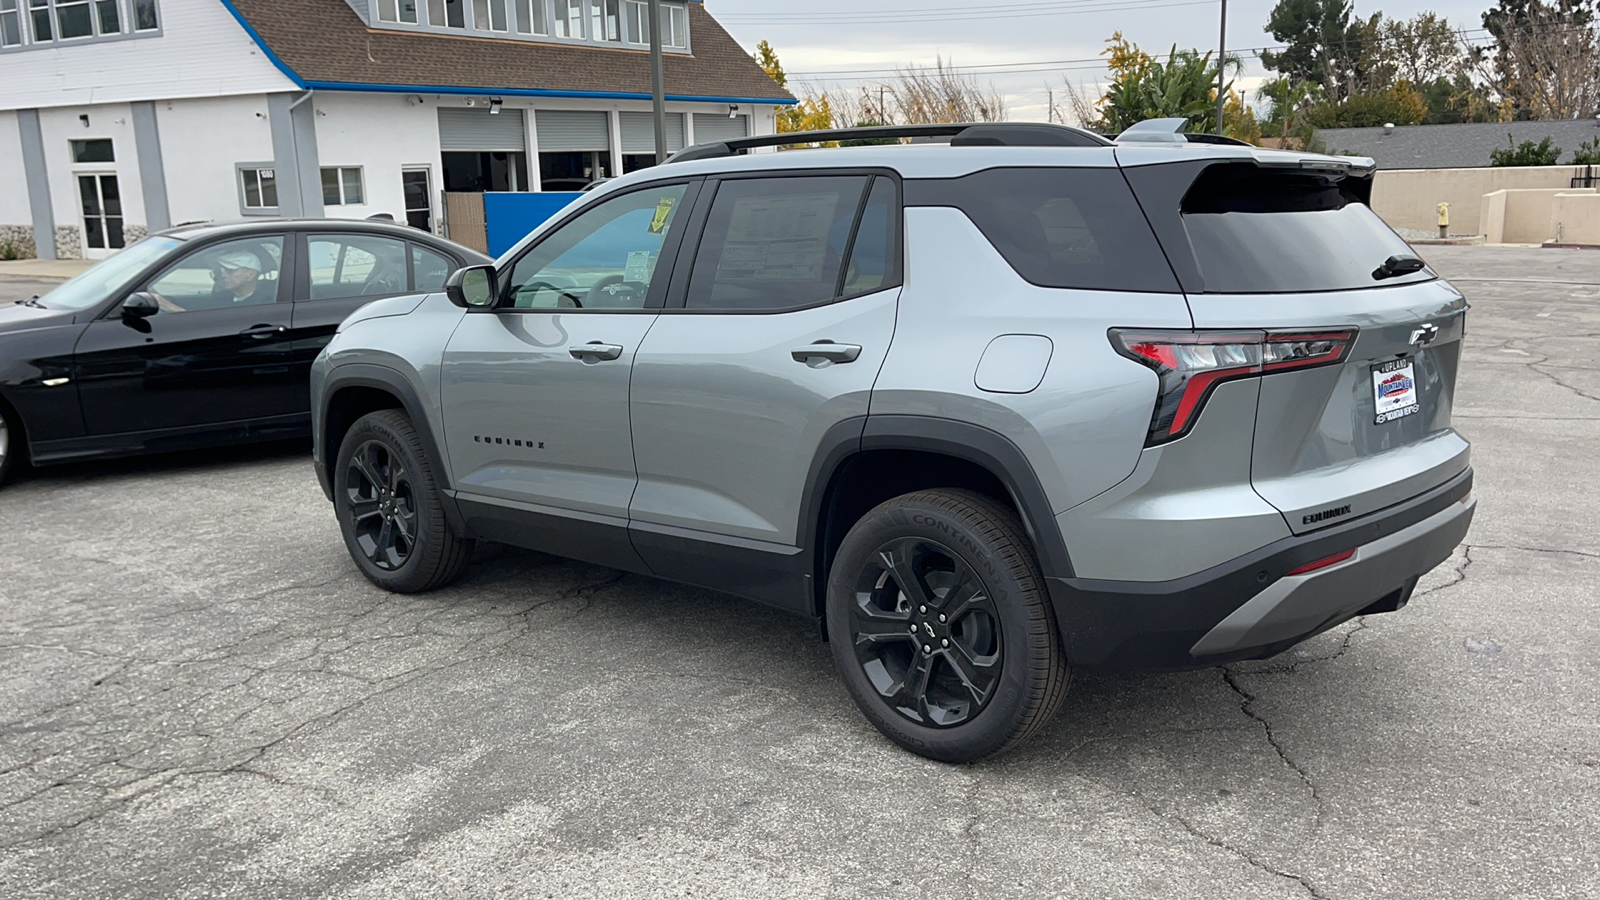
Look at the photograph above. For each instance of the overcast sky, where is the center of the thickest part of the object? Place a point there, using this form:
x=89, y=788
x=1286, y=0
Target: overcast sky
x=1033, y=44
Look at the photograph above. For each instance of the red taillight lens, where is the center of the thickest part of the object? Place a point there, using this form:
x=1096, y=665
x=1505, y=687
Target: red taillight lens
x=1192, y=363
x=1325, y=562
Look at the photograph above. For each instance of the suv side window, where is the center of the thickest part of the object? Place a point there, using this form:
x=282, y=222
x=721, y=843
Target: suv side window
x=605, y=258
x=777, y=243
x=874, y=261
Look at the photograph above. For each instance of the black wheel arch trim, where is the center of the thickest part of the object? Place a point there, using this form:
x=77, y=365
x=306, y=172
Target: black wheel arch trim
x=381, y=378
x=950, y=437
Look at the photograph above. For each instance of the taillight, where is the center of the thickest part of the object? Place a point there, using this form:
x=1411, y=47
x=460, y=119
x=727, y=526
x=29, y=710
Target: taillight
x=1192, y=363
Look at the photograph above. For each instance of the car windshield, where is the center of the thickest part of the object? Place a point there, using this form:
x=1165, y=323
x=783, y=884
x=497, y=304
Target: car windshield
x=101, y=280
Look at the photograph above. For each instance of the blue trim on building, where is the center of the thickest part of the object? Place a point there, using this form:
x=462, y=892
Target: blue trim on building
x=238, y=17
x=502, y=92
x=528, y=92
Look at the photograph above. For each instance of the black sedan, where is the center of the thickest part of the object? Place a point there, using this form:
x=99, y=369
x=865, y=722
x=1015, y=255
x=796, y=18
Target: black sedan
x=197, y=336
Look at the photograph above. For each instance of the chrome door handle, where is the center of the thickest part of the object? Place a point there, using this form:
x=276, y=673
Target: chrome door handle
x=595, y=351
x=260, y=332
x=828, y=350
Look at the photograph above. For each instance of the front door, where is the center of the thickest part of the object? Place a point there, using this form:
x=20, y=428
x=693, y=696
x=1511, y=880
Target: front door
x=777, y=337
x=535, y=391
x=101, y=201
x=216, y=352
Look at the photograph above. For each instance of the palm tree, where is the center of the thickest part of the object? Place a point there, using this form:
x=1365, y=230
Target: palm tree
x=1184, y=86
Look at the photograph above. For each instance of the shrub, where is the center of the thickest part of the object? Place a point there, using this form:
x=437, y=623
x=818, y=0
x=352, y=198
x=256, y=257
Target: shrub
x=1527, y=153
x=1588, y=153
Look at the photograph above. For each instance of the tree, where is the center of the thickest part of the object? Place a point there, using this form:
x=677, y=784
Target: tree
x=814, y=112
x=1323, y=43
x=767, y=59
x=1417, y=51
x=1398, y=105
x=1185, y=86
x=1587, y=154
x=1544, y=153
x=1289, y=105
x=1545, y=61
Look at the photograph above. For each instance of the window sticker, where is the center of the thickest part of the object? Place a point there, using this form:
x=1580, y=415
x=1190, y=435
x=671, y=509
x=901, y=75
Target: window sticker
x=778, y=238
x=639, y=266
x=658, y=222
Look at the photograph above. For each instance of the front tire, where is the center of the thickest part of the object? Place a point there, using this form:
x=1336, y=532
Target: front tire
x=11, y=445
x=941, y=628
x=390, y=510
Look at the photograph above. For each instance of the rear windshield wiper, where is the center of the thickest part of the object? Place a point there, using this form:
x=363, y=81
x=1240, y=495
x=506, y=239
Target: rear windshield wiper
x=1398, y=265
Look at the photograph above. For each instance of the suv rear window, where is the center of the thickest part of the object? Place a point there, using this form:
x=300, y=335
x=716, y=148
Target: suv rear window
x=1256, y=231
x=1058, y=227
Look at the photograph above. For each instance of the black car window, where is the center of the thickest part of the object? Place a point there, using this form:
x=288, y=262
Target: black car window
x=429, y=269
x=355, y=265
x=875, y=255
x=1059, y=227
x=240, y=272
x=775, y=243
x=604, y=258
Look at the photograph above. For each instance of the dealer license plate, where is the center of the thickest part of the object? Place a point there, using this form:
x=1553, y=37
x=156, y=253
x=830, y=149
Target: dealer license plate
x=1394, y=389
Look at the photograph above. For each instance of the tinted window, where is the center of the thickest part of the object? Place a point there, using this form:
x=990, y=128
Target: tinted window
x=603, y=259
x=430, y=269
x=99, y=282
x=775, y=243
x=355, y=265
x=232, y=273
x=875, y=255
x=1256, y=231
x=1059, y=227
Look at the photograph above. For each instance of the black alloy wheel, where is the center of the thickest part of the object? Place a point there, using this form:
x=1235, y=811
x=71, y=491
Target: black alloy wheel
x=941, y=628
x=390, y=511
x=926, y=632
x=381, y=505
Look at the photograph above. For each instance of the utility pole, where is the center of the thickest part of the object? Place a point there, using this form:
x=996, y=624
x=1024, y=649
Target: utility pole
x=1050, y=105
x=1222, y=48
x=657, y=83
x=883, y=117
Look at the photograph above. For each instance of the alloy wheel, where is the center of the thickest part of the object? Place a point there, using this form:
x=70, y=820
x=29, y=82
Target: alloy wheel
x=926, y=632
x=382, y=505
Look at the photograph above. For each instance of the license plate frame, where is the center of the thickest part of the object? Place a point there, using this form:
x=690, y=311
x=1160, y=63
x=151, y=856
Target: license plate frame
x=1394, y=390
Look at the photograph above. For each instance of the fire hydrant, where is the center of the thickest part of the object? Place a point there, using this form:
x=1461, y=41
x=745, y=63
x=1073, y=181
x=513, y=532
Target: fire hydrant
x=1444, y=220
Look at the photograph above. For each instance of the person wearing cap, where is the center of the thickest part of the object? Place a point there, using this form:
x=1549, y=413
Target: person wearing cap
x=238, y=279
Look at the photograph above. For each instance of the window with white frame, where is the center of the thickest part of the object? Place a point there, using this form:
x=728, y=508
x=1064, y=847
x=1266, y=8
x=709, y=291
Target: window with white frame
x=25, y=22
x=489, y=15
x=608, y=21
x=342, y=186
x=569, y=18
x=258, y=189
x=398, y=11
x=674, y=24
x=532, y=17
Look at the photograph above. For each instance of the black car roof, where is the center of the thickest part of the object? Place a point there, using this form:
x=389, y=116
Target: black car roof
x=197, y=230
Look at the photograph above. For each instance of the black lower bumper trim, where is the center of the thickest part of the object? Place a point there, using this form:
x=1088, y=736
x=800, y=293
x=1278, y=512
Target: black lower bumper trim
x=1152, y=625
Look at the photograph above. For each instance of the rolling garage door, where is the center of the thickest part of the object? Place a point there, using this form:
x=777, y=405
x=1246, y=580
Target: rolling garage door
x=711, y=127
x=639, y=132
x=564, y=130
x=480, y=130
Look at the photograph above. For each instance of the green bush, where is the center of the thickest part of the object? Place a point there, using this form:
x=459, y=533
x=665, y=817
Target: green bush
x=1588, y=153
x=12, y=250
x=1527, y=153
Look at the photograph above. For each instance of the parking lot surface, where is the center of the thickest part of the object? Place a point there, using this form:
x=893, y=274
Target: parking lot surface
x=202, y=698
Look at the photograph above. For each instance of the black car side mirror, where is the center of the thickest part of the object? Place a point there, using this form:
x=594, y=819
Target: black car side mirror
x=472, y=287
x=140, y=306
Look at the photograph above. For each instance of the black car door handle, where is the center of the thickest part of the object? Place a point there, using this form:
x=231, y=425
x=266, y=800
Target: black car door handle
x=828, y=350
x=595, y=350
x=262, y=332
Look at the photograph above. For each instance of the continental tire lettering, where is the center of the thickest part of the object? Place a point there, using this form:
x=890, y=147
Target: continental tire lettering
x=960, y=537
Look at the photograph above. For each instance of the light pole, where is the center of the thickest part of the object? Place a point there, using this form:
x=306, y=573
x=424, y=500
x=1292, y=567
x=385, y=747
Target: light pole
x=1222, y=48
x=657, y=86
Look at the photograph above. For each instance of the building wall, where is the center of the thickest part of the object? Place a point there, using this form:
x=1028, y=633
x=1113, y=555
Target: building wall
x=1575, y=218
x=1409, y=198
x=14, y=211
x=59, y=127
x=381, y=133
x=202, y=51
x=202, y=141
x=1523, y=216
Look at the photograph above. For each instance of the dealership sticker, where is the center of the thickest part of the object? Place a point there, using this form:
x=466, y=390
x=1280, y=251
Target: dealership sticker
x=1394, y=389
x=658, y=222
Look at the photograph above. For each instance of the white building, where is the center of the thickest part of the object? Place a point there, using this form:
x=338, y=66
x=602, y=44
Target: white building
x=119, y=117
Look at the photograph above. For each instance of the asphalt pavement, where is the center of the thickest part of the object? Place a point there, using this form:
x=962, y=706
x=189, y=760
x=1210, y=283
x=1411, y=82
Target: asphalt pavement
x=200, y=697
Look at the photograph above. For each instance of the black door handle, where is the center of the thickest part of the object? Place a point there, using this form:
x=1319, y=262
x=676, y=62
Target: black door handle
x=826, y=350
x=262, y=332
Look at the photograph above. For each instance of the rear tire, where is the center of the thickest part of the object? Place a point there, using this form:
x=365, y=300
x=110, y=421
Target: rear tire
x=941, y=628
x=11, y=445
x=389, y=507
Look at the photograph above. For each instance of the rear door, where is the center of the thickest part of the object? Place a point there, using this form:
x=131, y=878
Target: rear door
x=340, y=274
x=1292, y=249
x=779, y=323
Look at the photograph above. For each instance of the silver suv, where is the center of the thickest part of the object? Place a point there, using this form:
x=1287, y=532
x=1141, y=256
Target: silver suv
x=988, y=410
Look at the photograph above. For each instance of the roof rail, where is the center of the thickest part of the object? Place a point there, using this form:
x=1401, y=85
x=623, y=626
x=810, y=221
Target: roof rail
x=961, y=134
x=1170, y=131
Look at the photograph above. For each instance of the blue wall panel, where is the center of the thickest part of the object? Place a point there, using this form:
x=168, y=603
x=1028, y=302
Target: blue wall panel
x=509, y=216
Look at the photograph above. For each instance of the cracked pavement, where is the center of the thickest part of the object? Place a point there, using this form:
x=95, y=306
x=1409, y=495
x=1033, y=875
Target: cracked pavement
x=202, y=697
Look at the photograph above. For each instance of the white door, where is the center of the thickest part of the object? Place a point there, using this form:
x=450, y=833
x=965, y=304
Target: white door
x=101, y=200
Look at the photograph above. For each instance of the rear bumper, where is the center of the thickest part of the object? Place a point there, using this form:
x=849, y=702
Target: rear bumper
x=1250, y=607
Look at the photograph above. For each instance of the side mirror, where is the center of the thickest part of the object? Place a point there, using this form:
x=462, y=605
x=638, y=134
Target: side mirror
x=472, y=287
x=140, y=306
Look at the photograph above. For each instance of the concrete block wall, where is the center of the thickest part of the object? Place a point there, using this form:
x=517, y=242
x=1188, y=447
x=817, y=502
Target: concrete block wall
x=1575, y=218
x=1521, y=216
x=1409, y=198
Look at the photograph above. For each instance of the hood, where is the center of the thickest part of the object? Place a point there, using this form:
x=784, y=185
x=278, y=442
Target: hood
x=21, y=317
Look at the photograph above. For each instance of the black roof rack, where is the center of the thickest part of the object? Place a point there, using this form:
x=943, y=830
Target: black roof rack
x=961, y=134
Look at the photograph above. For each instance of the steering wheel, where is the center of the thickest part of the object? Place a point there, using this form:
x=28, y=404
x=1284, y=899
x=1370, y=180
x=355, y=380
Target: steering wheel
x=534, y=287
x=609, y=290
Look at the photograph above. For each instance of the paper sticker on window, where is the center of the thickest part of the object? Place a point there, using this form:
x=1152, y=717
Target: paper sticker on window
x=638, y=268
x=658, y=222
x=778, y=238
